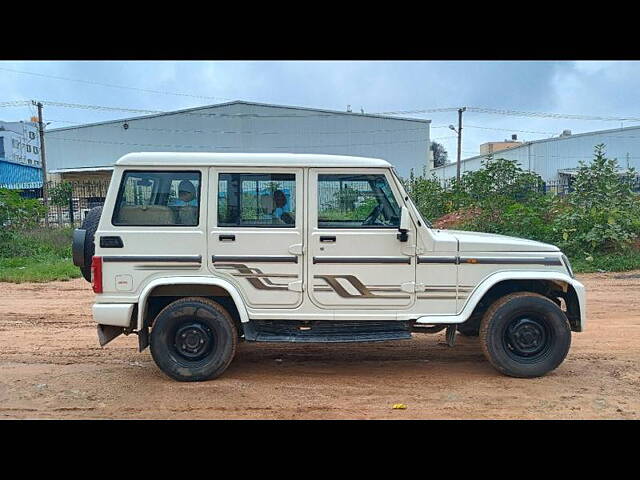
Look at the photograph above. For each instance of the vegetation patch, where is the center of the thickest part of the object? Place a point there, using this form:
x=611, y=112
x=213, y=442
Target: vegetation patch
x=597, y=225
x=29, y=253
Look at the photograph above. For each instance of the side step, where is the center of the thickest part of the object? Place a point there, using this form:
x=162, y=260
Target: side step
x=323, y=331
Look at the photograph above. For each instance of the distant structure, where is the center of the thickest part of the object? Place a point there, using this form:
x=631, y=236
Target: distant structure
x=556, y=159
x=88, y=152
x=492, y=147
x=20, y=166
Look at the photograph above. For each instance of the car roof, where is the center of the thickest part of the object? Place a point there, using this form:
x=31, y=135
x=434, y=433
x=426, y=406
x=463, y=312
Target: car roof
x=184, y=159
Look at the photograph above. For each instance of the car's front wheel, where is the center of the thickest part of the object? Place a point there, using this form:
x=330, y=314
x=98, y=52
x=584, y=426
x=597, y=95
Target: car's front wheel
x=193, y=339
x=525, y=334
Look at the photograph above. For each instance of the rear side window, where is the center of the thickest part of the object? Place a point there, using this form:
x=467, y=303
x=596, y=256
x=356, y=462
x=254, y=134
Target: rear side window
x=158, y=199
x=257, y=200
x=356, y=201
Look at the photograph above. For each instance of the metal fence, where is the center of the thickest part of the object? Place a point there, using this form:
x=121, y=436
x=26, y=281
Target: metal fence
x=69, y=202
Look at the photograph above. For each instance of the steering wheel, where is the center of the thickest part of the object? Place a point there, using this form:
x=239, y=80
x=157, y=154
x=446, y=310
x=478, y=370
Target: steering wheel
x=373, y=216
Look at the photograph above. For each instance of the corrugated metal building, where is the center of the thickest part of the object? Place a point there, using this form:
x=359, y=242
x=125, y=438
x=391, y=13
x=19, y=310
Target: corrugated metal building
x=89, y=151
x=555, y=159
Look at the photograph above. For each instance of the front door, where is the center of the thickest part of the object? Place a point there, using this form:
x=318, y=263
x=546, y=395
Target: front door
x=256, y=233
x=355, y=259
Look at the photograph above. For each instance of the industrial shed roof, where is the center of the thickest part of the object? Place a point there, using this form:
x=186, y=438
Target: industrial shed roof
x=242, y=102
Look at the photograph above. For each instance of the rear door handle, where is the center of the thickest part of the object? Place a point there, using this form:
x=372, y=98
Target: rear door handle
x=227, y=238
x=328, y=238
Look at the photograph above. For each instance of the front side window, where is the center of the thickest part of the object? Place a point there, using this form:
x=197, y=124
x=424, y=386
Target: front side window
x=356, y=201
x=257, y=200
x=158, y=199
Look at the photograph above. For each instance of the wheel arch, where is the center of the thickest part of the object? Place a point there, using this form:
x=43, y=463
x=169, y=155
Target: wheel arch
x=550, y=284
x=512, y=281
x=178, y=286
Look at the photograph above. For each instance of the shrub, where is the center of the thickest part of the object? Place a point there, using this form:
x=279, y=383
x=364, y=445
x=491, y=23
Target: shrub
x=603, y=212
x=430, y=198
x=17, y=213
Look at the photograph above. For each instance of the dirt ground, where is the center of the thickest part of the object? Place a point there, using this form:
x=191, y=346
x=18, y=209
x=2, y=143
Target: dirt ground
x=52, y=367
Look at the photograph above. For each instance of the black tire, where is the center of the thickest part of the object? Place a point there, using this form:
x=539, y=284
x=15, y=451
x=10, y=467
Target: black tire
x=90, y=224
x=470, y=328
x=525, y=335
x=209, y=335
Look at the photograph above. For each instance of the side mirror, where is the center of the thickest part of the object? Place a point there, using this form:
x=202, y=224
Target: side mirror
x=403, y=229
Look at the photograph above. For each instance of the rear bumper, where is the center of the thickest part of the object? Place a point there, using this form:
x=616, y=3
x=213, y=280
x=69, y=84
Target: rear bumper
x=114, y=314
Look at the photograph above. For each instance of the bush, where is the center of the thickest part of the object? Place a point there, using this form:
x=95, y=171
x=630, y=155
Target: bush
x=602, y=214
x=17, y=213
x=428, y=195
x=598, y=220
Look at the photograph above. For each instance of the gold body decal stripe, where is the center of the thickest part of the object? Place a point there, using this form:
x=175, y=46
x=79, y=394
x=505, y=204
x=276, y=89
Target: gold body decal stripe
x=363, y=290
x=255, y=276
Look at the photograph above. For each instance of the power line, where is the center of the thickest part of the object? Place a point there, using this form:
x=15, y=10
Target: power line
x=15, y=103
x=569, y=116
x=110, y=85
x=405, y=112
x=510, y=130
x=518, y=113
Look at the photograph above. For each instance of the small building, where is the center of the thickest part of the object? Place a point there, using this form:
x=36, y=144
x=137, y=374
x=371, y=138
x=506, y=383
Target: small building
x=492, y=147
x=20, y=165
x=557, y=159
x=88, y=152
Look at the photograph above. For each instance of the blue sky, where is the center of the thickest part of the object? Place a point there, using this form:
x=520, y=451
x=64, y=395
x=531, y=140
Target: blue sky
x=583, y=88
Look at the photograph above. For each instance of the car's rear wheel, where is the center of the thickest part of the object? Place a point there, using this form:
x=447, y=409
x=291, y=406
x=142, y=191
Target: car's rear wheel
x=193, y=339
x=525, y=334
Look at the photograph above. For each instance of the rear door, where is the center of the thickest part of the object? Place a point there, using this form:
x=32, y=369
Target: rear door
x=355, y=259
x=255, y=238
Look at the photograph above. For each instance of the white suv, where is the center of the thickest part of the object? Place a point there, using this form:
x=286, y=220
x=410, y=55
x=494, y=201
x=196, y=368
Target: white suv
x=196, y=251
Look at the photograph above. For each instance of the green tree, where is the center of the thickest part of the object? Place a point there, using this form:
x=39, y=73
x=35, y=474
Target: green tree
x=439, y=154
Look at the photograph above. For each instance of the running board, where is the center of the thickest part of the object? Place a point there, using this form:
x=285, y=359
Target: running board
x=323, y=331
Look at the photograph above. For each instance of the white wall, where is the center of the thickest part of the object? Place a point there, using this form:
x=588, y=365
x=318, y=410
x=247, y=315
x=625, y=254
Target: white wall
x=259, y=128
x=546, y=157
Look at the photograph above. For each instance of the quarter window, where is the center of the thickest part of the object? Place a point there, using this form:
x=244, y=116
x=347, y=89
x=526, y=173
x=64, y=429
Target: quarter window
x=356, y=201
x=257, y=200
x=158, y=199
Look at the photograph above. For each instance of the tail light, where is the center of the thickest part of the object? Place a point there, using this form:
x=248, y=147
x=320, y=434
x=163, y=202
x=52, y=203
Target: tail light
x=96, y=274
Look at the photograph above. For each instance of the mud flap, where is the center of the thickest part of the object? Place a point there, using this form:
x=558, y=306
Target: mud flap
x=451, y=334
x=143, y=339
x=106, y=333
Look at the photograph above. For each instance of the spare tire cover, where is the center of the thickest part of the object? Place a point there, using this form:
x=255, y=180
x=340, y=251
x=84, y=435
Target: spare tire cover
x=90, y=225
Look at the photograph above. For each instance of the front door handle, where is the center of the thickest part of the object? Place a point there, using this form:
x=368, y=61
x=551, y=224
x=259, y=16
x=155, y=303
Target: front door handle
x=328, y=238
x=227, y=238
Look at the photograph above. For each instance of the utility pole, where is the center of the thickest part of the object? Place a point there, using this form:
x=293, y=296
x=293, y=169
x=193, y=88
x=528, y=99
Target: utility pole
x=45, y=190
x=459, y=132
x=460, y=110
